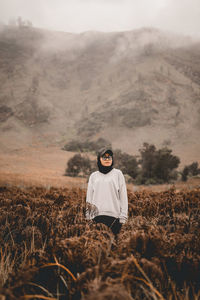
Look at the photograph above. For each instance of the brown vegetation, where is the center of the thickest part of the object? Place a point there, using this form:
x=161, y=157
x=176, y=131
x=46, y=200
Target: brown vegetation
x=49, y=250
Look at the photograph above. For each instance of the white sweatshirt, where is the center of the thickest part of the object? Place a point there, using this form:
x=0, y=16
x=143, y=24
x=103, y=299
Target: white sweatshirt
x=107, y=195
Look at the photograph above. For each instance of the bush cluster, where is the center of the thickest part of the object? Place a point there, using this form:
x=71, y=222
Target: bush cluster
x=157, y=166
x=86, y=146
x=78, y=165
x=127, y=163
x=150, y=167
x=190, y=170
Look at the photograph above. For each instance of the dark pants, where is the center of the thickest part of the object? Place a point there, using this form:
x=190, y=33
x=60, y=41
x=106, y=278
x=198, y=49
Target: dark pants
x=111, y=222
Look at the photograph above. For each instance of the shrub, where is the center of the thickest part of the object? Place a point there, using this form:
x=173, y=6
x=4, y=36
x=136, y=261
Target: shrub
x=78, y=165
x=136, y=118
x=165, y=164
x=157, y=165
x=73, y=146
x=126, y=163
x=184, y=174
x=193, y=169
x=190, y=170
x=86, y=146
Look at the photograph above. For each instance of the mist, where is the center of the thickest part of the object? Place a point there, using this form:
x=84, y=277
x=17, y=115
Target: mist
x=180, y=16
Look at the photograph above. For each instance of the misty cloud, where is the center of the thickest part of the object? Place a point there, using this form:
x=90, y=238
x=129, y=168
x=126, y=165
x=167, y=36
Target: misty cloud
x=106, y=15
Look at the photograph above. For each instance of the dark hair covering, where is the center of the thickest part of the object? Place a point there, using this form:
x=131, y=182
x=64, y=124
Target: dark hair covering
x=101, y=152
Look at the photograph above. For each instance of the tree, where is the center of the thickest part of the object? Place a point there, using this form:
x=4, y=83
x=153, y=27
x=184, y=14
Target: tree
x=23, y=23
x=147, y=161
x=165, y=164
x=157, y=165
x=126, y=163
x=78, y=165
x=190, y=170
x=185, y=173
x=194, y=169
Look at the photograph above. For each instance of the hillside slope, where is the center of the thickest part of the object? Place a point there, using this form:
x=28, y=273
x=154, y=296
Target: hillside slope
x=129, y=87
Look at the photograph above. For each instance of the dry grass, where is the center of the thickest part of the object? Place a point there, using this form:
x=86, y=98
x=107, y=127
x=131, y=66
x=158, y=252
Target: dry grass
x=50, y=251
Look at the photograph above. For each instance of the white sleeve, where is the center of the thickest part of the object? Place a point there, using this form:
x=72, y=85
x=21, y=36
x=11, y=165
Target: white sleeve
x=89, y=198
x=123, y=199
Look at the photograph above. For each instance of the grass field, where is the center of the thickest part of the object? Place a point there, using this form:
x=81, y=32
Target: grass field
x=49, y=250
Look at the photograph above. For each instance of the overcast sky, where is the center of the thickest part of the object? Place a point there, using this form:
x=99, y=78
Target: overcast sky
x=182, y=16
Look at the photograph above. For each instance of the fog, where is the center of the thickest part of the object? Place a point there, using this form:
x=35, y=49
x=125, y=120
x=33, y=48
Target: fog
x=180, y=16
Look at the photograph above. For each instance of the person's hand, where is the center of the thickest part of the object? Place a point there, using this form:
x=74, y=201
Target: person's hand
x=90, y=222
x=122, y=221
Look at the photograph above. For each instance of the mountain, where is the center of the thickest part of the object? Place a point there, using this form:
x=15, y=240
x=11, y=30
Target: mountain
x=129, y=87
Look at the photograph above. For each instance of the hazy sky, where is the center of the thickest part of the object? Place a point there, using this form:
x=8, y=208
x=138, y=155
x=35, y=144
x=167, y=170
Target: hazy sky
x=181, y=16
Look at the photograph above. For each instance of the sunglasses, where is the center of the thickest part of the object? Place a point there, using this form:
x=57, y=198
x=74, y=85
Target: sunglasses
x=107, y=157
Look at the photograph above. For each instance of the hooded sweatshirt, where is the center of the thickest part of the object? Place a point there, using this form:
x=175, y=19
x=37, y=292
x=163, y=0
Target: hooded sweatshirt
x=107, y=195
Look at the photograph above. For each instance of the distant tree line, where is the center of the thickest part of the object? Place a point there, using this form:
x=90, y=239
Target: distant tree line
x=20, y=22
x=86, y=146
x=151, y=166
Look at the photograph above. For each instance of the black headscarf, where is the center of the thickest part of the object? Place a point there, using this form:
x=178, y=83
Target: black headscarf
x=104, y=169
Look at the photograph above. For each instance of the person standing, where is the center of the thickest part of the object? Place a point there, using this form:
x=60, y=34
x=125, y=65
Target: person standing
x=106, y=200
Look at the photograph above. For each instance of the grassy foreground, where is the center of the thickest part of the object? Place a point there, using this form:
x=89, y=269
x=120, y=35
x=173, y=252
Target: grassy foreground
x=49, y=250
